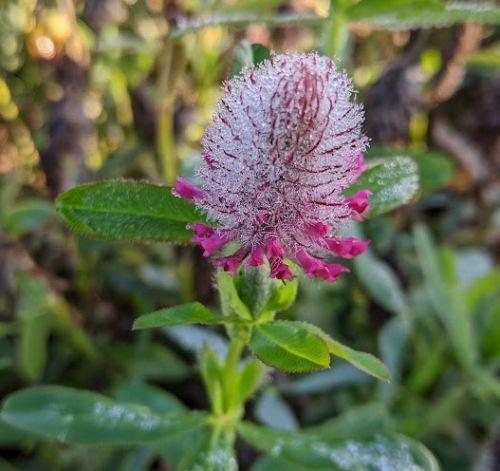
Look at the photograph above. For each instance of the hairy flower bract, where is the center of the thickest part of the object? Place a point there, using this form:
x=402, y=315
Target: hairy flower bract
x=285, y=143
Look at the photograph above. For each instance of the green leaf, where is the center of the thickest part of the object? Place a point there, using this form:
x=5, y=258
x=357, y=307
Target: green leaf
x=273, y=411
x=27, y=216
x=364, y=361
x=158, y=400
x=128, y=211
x=154, y=361
x=289, y=346
x=34, y=325
x=392, y=181
x=81, y=417
x=211, y=373
x=191, y=313
x=446, y=295
x=405, y=14
x=338, y=376
x=246, y=54
x=381, y=282
x=254, y=285
x=250, y=377
x=214, y=453
x=283, y=295
x=317, y=452
x=231, y=303
x=434, y=170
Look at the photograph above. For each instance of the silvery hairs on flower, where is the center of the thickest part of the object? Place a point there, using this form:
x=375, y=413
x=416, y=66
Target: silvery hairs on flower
x=284, y=144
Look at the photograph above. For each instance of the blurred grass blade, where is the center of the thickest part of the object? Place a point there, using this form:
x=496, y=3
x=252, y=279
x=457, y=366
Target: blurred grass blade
x=446, y=295
x=403, y=14
x=128, y=211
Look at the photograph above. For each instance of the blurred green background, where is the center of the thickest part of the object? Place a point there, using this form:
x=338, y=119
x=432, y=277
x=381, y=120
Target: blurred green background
x=113, y=89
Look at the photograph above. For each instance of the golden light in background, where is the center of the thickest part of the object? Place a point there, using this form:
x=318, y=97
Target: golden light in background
x=45, y=47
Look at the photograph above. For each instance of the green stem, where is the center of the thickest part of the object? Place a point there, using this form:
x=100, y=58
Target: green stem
x=230, y=372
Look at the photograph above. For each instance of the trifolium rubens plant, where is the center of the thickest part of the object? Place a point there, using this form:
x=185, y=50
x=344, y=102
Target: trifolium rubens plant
x=282, y=183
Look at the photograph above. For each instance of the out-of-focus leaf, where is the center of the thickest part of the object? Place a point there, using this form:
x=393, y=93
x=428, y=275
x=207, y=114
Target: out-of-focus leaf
x=403, y=14
x=159, y=401
x=392, y=181
x=446, y=296
x=241, y=19
x=271, y=410
x=247, y=54
x=27, y=216
x=215, y=453
x=381, y=453
x=34, y=326
x=81, y=417
x=211, y=373
x=289, y=346
x=364, y=361
x=13, y=436
x=392, y=341
x=128, y=210
x=249, y=378
x=434, y=170
x=359, y=422
x=381, y=282
x=193, y=338
x=338, y=376
x=191, y=313
x=154, y=361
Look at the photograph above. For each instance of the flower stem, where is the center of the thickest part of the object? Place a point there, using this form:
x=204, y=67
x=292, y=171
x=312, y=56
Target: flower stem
x=230, y=372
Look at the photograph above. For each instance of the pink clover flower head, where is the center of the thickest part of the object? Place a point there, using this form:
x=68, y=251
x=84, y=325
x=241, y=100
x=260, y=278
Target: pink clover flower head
x=285, y=143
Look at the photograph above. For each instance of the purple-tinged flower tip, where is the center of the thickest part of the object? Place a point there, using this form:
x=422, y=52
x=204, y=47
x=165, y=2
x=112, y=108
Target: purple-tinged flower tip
x=184, y=189
x=358, y=203
x=207, y=238
x=280, y=270
x=318, y=229
x=347, y=248
x=315, y=267
x=274, y=249
x=285, y=143
x=256, y=258
x=232, y=262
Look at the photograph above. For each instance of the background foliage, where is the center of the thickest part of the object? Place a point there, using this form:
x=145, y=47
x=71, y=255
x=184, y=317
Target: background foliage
x=121, y=89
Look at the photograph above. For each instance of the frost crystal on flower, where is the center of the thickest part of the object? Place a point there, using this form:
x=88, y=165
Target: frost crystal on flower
x=284, y=145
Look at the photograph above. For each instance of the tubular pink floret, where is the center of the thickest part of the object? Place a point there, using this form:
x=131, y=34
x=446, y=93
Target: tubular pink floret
x=315, y=267
x=347, y=248
x=359, y=203
x=285, y=143
x=186, y=190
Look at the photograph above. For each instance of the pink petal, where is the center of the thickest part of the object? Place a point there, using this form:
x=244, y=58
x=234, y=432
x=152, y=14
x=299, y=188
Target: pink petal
x=274, y=249
x=359, y=203
x=186, y=190
x=347, y=248
x=256, y=256
x=318, y=229
x=231, y=263
x=318, y=268
x=280, y=270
